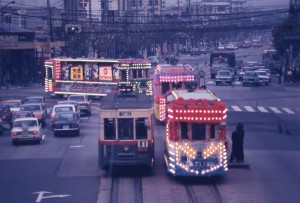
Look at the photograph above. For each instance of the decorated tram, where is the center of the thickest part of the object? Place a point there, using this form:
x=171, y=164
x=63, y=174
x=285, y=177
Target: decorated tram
x=96, y=77
x=126, y=130
x=167, y=78
x=196, y=142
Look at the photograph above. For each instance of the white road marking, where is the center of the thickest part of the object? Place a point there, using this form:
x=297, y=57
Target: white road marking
x=275, y=109
x=41, y=196
x=249, y=108
x=236, y=108
x=288, y=110
x=262, y=109
x=75, y=146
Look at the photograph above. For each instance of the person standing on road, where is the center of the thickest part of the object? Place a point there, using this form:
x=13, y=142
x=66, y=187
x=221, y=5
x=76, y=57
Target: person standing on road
x=238, y=144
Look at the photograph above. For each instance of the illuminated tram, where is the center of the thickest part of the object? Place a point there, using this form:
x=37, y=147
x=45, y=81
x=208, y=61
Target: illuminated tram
x=96, y=77
x=196, y=142
x=166, y=78
x=126, y=130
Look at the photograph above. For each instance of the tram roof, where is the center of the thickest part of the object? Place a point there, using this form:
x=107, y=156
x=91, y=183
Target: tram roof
x=195, y=94
x=101, y=60
x=126, y=101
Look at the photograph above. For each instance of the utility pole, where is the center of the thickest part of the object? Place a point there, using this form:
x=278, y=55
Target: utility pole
x=48, y=47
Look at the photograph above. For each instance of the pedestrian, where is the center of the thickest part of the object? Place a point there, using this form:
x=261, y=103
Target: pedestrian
x=238, y=144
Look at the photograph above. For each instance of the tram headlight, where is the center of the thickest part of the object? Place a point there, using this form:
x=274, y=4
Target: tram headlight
x=126, y=148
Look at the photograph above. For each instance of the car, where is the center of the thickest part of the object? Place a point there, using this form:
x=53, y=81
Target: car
x=63, y=108
x=68, y=102
x=172, y=59
x=252, y=64
x=66, y=123
x=6, y=114
x=242, y=72
x=22, y=114
x=267, y=70
x=153, y=60
x=38, y=111
x=36, y=99
x=251, y=78
x=221, y=48
x=233, y=71
x=195, y=52
x=14, y=104
x=224, y=77
x=263, y=75
x=26, y=129
x=1, y=126
x=231, y=46
x=84, y=104
x=239, y=64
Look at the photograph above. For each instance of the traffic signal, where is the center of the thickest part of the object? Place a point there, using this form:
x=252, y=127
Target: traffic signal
x=72, y=28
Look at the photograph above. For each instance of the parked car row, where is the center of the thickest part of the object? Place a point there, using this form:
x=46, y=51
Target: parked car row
x=28, y=117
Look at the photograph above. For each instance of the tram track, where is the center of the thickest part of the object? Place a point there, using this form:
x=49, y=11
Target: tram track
x=203, y=194
x=126, y=189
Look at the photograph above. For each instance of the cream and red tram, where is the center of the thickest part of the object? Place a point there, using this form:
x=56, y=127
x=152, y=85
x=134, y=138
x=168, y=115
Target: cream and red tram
x=126, y=131
x=195, y=134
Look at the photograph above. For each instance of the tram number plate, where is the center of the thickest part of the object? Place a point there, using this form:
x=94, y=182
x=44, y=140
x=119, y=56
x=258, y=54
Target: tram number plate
x=143, y=143
x=65, y=127
x=208, y=164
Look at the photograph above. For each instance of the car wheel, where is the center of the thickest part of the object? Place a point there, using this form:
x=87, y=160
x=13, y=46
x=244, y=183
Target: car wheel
x=244, y=84
x=77, y=133
x=14, y=142
x=230, y=83
x=217, y=84
x=55, y=134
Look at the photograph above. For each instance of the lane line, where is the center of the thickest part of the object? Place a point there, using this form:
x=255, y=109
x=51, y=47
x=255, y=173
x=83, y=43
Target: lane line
x=288, y=111
x=275, y=109
x=262, y=109
x=249, y=108
x=236, y=108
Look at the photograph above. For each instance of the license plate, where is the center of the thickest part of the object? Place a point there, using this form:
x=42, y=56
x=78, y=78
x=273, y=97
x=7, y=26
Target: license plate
x=65, y=127
x=25, y=134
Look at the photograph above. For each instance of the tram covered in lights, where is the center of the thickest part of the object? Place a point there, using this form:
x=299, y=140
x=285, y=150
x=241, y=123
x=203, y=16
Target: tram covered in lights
x=167, y=78
x=126, y=130
x=196, y=142
x=96, y=77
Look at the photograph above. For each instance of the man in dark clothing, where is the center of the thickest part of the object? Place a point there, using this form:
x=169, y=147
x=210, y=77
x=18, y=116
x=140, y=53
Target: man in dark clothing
x=238, y=144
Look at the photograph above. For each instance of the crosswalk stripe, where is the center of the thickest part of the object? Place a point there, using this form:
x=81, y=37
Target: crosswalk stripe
x=288, y=110
x=275, y=109
x=236, y=108
x=262, y=109
x=249, y=108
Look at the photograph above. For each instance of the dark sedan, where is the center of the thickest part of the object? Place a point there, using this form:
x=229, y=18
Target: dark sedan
x=66, y=123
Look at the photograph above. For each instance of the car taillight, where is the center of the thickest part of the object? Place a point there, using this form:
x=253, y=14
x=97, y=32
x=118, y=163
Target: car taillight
x=4, y=117
x=38, y=115
x=14, y=133
x=35, y=132
x=52, y=116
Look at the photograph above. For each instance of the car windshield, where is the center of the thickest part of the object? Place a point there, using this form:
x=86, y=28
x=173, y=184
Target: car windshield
x=65, y=116
x=250, y=74
x=224, y=73
x=11, y=104
x=77, y=98
x=31, y=108
x=263, y=73
x=23, y=114
x=34, y=100
x=25, y=123
x=63, y=109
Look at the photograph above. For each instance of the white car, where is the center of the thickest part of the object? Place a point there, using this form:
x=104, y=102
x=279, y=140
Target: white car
x=84, y=104
x=221, y=47
x=263, y=75
x=63, y=108
x=26, y=129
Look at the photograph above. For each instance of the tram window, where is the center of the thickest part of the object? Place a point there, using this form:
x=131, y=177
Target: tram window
x=109, y=129
x=123, y=75
x=184, y=130
x=125, y=128
x=176, y=85
x=49, y=73
x=165, y=87
x=212, y=131
x=141, y=128
x=198, y=131
x=137, y=74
